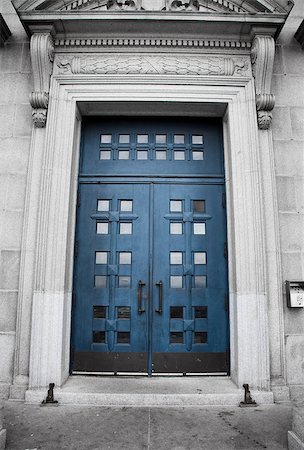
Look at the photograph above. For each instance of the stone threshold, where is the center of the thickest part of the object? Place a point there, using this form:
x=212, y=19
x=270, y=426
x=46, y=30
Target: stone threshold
x=173, y=391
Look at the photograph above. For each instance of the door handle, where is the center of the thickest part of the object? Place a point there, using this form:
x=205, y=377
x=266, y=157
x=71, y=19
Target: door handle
x=160, y=297
x=140, y=286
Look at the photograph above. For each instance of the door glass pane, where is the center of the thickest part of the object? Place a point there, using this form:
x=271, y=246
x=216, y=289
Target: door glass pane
x=123, y=337
x=124, y=282
x=125, y=228
x=103, y=205
x=106, y=138
x=161, y=139
x=105, y=154
x=142, y=139
x=200, y=312
x=142, y=154
x=176, y=205
x=126, y=205
x=100, y=281
x=124, y=138
x=99, y=312
x=102, y=228
x=200, y=281
x=161, y=155
x=176, y=228
x=179, y=139
x=200, y=258
x=199, y=228
x=197, y=156
x=199, y=206
x=179, y=156
x=176, y=282
x=176, y=258
x=123, y=154
x=99, y=337
x=101, y=257
x=176, y=338
x=176, y=312
x=125, y=257
x=123, y=312
x=197, y=139
x=200, y=337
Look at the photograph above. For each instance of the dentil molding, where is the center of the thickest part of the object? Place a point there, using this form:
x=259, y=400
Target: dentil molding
x=153, y=65
x=42, y=57
x=262, y=58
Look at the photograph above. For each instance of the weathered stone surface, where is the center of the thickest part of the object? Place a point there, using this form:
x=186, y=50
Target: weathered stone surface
x=295, y=361
x=7, y=344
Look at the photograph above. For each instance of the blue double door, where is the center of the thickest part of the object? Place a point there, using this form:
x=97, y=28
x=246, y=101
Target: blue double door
x=150, y=279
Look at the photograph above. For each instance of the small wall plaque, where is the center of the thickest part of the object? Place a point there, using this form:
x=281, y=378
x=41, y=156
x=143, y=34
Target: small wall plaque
x=295, y=294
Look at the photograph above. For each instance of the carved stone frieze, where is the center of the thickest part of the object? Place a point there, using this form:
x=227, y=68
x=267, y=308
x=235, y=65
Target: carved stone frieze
x=153, y=65
x=262, y=58
x=42, y=57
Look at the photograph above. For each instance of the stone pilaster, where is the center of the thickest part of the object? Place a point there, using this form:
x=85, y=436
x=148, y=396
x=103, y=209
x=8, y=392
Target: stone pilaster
x=262, y=58
x=42, y=57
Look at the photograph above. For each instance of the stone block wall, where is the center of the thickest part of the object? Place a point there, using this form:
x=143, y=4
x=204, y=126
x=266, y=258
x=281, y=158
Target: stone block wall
x=288, y=134
x=15, y=132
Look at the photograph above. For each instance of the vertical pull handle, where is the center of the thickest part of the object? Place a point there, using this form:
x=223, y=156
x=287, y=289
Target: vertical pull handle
x=160, y=297
x=139, y=297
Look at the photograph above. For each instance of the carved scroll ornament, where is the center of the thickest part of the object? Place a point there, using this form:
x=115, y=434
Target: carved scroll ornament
x=262, y=58
x=153, y=65
x=42, y=57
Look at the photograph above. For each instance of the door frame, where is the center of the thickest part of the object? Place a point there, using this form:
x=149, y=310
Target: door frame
x=54, y=197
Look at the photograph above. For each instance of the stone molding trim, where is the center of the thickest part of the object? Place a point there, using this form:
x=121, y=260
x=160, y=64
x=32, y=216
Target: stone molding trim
x=262, y=58
x=5, y=32
x=153, y=65
x=42, y=57
x=151, y=42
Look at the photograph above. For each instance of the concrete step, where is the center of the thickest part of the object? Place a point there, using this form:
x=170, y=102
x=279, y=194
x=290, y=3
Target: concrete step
x=149, y=392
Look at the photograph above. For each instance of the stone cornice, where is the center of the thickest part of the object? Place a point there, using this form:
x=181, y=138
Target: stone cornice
x=4, y=31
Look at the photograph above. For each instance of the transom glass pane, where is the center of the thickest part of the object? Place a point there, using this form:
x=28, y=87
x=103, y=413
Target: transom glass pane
x=176, y=205
x=176, y=228
x=123, y=154
x=199, y=206
x=126, y=205
x=200, y=281
x=103, y=205
x=161, y=139
x=125, y=258
x=142, y=154
x=142, y=139
x=176, y=312
x=123, y=312
x=197, y=139
x=102, y=228
x=199, y=228
x=106, y=138
x=176, y=282
x=176, y=258
x=101, y=257
x=161, y=155
x=179, y=156
x=105, y=154
x=200, y=258
x=179, y=139
x=99, y=312
x=124, y=138
x=197, y=156
x=124, y=282
x=125, y=228
x=100, y=281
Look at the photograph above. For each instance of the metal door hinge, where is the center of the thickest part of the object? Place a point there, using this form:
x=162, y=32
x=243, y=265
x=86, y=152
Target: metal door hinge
x=223, y=200
x=76, y=248
x=78, y=198
x=225, y=250
x=73, y=299
x=226, y=302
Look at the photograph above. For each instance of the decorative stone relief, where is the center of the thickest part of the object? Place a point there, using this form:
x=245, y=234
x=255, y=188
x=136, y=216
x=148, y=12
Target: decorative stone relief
x=153, y=65
x=262, y=58
x=42, y=57
x=124, y=5
x=181, y=5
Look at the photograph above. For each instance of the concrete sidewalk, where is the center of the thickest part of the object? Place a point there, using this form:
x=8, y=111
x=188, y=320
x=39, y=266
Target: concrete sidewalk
x=88, y=428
